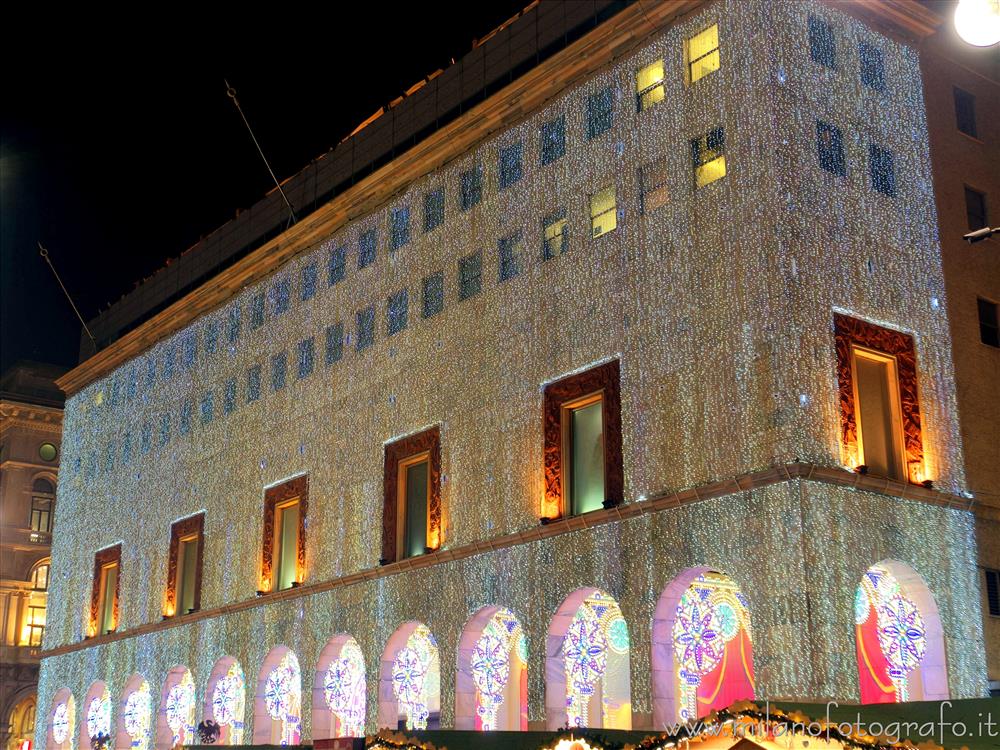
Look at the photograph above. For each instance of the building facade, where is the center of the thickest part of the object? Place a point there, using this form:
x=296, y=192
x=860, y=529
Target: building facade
x=30, y=438
x=624, y=396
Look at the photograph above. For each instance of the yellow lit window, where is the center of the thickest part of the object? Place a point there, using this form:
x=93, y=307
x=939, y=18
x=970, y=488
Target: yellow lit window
x=653, y=179
x=649, y=85
x=880, y=428
x=603, y=214
x=555, y=236
x=703, y=53
x=286, y=545
x=708, y=153
x=109, y=593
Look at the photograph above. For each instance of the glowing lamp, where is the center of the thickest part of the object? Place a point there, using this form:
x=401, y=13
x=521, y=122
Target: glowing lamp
x=978, y=22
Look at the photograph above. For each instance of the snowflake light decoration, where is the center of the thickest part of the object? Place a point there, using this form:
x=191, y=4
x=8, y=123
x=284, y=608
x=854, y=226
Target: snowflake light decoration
x=411, y=675
x=99, y=715
x=902, y=635
x=344, y=690
x=179, y=710
x=136, y=716
x=62, y=723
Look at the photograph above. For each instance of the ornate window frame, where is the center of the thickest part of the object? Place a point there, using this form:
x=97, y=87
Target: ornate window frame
x=183, y=529
x=396, y=453
x=292, y=489
x=103, y=558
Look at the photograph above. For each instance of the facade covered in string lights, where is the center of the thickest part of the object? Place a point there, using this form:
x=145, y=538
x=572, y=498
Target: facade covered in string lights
x=624, y=408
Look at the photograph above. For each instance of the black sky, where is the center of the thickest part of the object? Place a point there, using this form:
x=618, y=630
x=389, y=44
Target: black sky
x=119, y=147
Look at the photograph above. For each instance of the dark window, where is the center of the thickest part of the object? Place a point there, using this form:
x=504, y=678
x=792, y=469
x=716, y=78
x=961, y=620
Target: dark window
x=367, y=247
x=599, y=112
x=336, y=265
x=256, y=311
x=653, y=182
x=399, y=227
x=975, y=209
x=253, y=384
x=988, y=332
x=511, y=257
x=822, y=45
x=169, y=357
x=433, y=298
x=151, y=371
x=190, y=351
x=279, y=368
x=146, y=434
x=882, y=168
x=993, y=592
x=510, y=164
x=470, y=276
x=307, y=358
x=164, y=429
x=109, y=456
x=872, y=66
x=555, y=236
x=396, y=312
x=229, y=397
x=186, y=409
x=211, y=337
x=433, y=209
x=553, y=140
x=830, y=148
x=366, y=327
x=281, y=295
x=334, y=343
x=127, y=447
x=308, y=290
x=965, y=112
x=233, y=326
x=41, y=507
x=472, y=188
x=207, y=408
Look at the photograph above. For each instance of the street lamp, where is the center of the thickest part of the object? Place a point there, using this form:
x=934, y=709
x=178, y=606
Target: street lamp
x=980, y=234
x=978, y=22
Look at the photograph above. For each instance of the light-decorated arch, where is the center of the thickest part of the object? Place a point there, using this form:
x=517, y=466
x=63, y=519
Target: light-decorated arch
x=135, y=715
x=225, y=700
x=587, y=681
x=61, y=731
x=175, y=722
x=898, y=637
x=491, y=681
x=96, y=713
x=409, y=690
x=339, y=690
x=277, y=712
x=702, y=647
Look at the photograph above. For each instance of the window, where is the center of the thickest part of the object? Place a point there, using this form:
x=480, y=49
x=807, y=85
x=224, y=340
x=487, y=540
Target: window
x=399, y=227
x=993, y=592
x=879, y=428
x=281, y=296
x=510, y=164
x=708, y=154
x=510, y=251
x=472, y=188
x=882, y=169
x=433, y=209
x=433, y=296
x=36, y=625
x=396, y=312
x=283, y=559
x=164, y=429
x=256, y=311
x=184, y=566
x=470, y=273
x=830, y=148
x=603, y=213
x=336, y=265
x=975, y=209
x=190, y=353
x=649, y=86
x=211, y=337
x=308, y=281
x=187, y=408
x=822, y=45
x=169, y=359
x=553, y=137
x=279, y=369
x=965, y=112
x=42, y=499
x=104, y=597
x=229, y=397
x=988, y=331
x=40, y=576
x=653, y=185
x=599, y=112
x=582, y=429
x=307, y=358
x=366, y=328
x=872, y=66
x=555, y=237
x=702, y=53
x=367, y=248
x=207, y=408
x=253, y=383
x=412, y=504
x=334, y=344
x=233, y=325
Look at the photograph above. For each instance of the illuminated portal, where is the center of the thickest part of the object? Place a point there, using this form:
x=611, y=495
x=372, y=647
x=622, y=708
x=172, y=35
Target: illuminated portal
x=97, y=716
x=412, y=666
x=588, y=662
x=226, y=700
x=702, y=647
x=176, y=722
x=136, y=718
x=339, y=694
x=62, y=722
x=898, y=637
x=492, y=679
x=278, y=708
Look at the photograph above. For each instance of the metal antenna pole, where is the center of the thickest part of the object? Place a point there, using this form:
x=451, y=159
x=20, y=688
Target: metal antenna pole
x=231, y=92
x=45, y=255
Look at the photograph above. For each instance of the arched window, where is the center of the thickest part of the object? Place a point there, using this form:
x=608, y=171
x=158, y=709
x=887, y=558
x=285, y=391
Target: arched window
x=40, y=575
x=277, y=717
x=225, y=700
x=587, y=664
x=702, y=647
x=43, y=497
x=175, y=721
x=410, y=680
x=339, y=691
x=492, y=678
x=62, y=722
x=96, y=709
x=135, y=719
x=21, y=722
x=898, y=637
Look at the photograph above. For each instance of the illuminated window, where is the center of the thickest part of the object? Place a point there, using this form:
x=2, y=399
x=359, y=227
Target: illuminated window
x=433, y=209
x=367, y=248
x=256, y=311
x=279, y=369
x=433, y=297
x=472, y=188
x=411, y=515
x=254, y=377
x=822, y=44
x=365, y=321
x=399, y=227
x=35, y=625
x=308, y=281
x=510, y=256
x=104, y=599
x=649, y=85
x=307, y=358
x=40, y=576
x=184, y=565
x=397, y=312
x=42, y=499
x=872, y=66
x=653, y=185
x=989, y=333
x=703, y=53
x=600, y=112
x=880, y=429
x=553, y=138
x=281, y=296
x=555, y=236
x=470, y=276
x=510, y=164
x=284, y=534
x=975, y=209
x=708, y=154
x=882, y=169
x=233, y=324
x=830, y=148
x=603, y=212
x=336, y=266
x=993, y=592
x=334, y=344
x=965, y=112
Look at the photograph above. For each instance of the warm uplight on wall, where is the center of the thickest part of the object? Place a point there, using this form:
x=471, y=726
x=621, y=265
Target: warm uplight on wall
x=978, y=22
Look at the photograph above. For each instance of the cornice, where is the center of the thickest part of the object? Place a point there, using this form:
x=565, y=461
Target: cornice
x=21, y=414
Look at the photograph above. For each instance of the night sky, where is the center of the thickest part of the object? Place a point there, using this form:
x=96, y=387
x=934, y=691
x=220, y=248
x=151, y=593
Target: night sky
x=119, y=148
